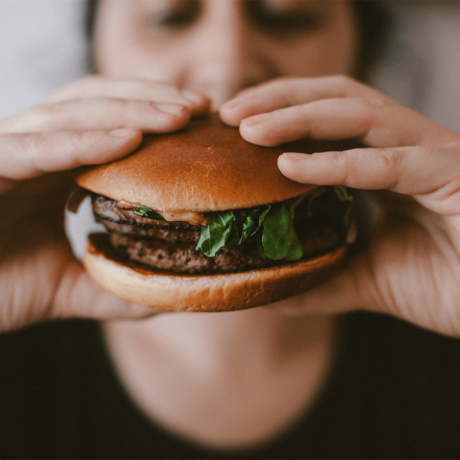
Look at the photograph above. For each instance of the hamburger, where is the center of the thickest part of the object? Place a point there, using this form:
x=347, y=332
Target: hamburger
x=201, y=220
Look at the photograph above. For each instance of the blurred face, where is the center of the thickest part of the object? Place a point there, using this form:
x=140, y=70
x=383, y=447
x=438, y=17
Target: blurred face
x=219, y=47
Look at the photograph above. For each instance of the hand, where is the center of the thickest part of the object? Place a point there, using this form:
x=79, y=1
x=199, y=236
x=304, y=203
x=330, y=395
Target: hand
x=93, y=121
x=411, y=268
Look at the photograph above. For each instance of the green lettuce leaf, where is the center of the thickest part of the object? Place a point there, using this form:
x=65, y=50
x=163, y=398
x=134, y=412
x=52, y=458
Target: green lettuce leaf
x=342, y=193
x=248, y=223
x=279, y=239
x=275, y=224
x=215, y=235
x=145, y=211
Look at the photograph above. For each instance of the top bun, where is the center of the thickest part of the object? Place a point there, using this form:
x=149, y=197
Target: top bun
x=207, y=166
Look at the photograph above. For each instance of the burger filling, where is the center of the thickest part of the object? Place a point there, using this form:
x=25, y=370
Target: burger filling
x=229, y=241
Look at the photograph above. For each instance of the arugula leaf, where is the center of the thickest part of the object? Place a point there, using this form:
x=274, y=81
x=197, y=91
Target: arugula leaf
x=247, y=223
x=215, y=235
x=145, y=211
x=261, y=219
x=342, y=193
x=252, y=223
x=279, y=239
x=236, y=237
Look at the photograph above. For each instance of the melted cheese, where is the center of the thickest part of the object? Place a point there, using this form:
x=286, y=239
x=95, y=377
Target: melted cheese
x=193, y=218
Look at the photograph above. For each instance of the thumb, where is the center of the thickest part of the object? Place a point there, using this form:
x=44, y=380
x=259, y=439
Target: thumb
x=78, y=295
x=351, y=289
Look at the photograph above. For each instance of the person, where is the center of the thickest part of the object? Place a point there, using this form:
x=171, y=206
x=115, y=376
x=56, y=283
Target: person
x=290, y=380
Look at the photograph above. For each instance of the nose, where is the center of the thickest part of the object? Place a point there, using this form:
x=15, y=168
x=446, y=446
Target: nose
x=225, y=54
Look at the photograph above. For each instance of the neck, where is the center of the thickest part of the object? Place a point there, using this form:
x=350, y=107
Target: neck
x=258, y=368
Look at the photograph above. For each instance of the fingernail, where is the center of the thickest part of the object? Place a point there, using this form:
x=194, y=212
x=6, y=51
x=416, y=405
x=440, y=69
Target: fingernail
x=294, y=156
x=192, y=97
x=257, y=119
x=121, y=132
x=170, y=108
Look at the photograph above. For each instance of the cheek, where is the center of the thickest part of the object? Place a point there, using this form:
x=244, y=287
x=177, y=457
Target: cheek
x=121, y=52
x=331, y=51
x=328, y=55
x=133, y=57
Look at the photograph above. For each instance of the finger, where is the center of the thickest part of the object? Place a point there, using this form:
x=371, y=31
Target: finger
x=428, y=174
x=387, y=279
x=24, y=156
x=99, y=114
x=354, y=288
x=96, y=86
x=282, y=93
x=338, y=295
x=78, y=295
x=44, y=281
x=370, y=121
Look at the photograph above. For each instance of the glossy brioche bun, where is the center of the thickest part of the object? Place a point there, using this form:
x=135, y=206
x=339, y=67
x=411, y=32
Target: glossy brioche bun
x=205, y=167
x=198, y=293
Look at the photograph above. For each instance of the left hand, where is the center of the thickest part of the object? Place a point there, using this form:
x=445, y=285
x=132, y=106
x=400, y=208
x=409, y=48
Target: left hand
x=411, y=268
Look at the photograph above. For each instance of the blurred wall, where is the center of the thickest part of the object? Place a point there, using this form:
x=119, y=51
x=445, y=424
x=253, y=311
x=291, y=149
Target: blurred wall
x=421, y=66
x=42, y=48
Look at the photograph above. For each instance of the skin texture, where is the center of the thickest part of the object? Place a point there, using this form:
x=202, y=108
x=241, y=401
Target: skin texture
x=39, y=276
x=145, y=88
x=411, y=267
x=223, y=48
x=158, y=72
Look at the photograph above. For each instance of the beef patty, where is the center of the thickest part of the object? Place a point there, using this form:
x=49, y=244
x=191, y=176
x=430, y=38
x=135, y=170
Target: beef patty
x=320, y=225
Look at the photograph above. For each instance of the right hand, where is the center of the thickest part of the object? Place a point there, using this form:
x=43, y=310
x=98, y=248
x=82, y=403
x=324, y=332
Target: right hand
x=409, y=166
x=92, y=121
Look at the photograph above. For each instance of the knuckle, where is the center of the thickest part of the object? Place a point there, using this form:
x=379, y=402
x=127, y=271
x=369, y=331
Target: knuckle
x=40, y=116
x=338, y=162
x=77, y=138
x=34, y=143
x=342, y=82
x=76, y=147
x=118, y=103
x=34, y=146
x=302, y=111
x=365, y=110
x=346, y=86
x=338, y=159
x=119, y=109
x=392, y=160
x=378, y=102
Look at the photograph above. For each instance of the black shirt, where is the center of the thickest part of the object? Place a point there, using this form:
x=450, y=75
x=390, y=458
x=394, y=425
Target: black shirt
x=394, y=392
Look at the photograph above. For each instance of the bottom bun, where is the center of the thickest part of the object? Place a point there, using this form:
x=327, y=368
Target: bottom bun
x=212, y=293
